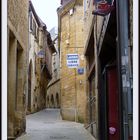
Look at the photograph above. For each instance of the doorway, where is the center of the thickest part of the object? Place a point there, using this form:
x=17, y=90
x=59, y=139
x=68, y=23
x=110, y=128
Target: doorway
x=109, y=104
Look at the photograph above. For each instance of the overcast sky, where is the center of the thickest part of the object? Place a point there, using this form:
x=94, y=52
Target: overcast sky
x=46, y=10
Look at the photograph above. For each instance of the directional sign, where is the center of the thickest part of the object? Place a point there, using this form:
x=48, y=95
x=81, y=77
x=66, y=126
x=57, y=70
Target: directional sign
x=72, y=60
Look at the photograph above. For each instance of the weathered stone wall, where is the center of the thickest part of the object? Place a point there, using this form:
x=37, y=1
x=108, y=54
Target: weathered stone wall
x=35, y=72
x=17, y=65
x=18, y=19
x=90, y=22
x=88, y=18
x=39, y=79
x=48, y=56
x=72, y=85
x=53, y=95
x=55, y=65
x=53, y=90
x=99, y=24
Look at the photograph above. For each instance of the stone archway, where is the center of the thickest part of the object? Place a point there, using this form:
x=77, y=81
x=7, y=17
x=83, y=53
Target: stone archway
x=48, y=102
x=52, y=101
x=57, y=101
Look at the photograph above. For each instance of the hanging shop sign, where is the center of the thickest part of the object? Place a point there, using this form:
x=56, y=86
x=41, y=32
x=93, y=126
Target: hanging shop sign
x=103, y=7
x=72, y=60
x=41, y=54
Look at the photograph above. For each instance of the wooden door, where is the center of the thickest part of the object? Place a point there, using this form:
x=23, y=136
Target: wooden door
x=113, y=103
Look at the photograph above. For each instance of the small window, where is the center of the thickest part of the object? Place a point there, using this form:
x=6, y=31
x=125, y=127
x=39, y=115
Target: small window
x=71, y=12
x=37, y=33
x=55, y=70
x=54, y=63
x=34, y=28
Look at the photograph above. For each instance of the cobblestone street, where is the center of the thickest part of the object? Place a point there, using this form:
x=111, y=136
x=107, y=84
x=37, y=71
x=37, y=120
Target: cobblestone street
x=48, y=125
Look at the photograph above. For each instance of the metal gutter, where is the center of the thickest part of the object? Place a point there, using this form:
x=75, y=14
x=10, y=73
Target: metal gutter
x=123, y=71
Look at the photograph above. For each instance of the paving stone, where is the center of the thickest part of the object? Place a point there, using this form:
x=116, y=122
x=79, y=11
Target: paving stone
x=48, y=125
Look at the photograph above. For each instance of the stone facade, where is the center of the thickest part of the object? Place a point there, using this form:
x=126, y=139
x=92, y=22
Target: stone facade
x=17, y=37
x=53, y=95
x=53, y=89
x=40, y=58
x=91, y=122
x=71, y=40
x=97, y=60
x=101, y=51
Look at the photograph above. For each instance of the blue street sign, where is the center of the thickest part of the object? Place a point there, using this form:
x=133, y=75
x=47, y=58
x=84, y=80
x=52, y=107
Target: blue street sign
x=80, y=70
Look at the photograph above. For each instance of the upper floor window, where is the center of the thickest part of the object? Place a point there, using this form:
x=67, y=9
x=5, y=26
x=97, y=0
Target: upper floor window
x=37, y=34
x=34, y=28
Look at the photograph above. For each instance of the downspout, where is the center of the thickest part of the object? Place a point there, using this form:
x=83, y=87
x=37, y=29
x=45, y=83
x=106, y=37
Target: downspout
x=123, y=69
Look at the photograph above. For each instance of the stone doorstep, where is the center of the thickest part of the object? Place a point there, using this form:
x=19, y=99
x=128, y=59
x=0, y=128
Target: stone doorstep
x=14, y=138
x=22, y=134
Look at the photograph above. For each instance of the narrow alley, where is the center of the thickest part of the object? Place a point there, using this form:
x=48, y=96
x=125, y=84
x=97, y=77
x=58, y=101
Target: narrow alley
x=48, y=125
x=71, y=79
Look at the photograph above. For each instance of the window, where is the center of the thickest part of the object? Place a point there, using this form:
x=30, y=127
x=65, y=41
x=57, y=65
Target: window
x=71, y=12
x=55, y=70
x=34, y=28
x=37, y=33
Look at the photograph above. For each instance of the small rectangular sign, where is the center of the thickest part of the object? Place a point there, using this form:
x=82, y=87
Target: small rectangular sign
x=72, y=60
x=80, y=71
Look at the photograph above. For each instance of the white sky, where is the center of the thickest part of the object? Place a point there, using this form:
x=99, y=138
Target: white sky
x=46, y=10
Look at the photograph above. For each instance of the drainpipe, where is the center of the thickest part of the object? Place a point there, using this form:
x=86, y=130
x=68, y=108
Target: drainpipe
x=123, y=67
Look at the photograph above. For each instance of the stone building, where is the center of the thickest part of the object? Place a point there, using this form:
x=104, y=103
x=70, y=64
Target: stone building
x=53, y=89
x=71, y=41
x=17, y=37
x=40, y=59
x=106, y=112
x=90, y=53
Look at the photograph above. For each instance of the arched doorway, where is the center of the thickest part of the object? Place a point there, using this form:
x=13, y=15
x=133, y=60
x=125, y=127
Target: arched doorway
x=29, y=87
x=48, y=102
x=52, y=101
x=57, y=100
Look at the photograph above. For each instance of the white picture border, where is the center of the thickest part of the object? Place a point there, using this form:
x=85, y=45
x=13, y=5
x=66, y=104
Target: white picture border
x=4, y=69
x=135, y=70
